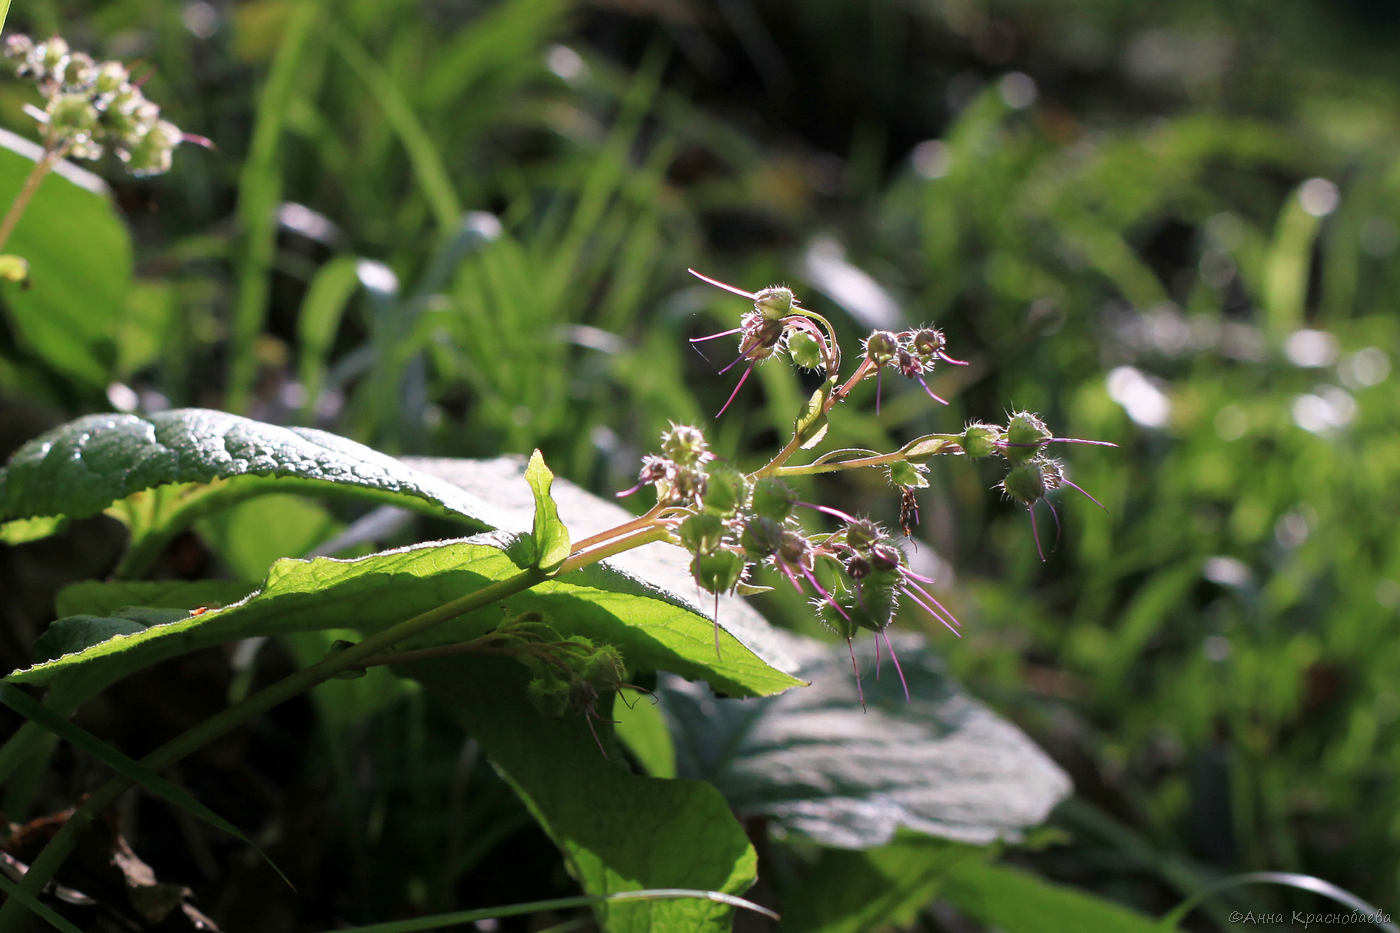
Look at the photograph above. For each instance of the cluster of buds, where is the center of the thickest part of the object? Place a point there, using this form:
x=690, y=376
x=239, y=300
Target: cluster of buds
x=777, y=324
x=732, y=522
x=92, y=106
x=679, y=472
x=1030, y=475
x=911, y=352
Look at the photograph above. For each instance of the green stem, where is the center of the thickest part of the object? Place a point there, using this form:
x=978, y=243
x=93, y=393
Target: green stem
x=12, y=916
x=812, y=469
x=617, y=546
x=26, y=193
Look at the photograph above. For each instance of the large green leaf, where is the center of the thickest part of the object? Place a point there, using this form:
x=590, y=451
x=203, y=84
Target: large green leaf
x=816, y=765
x=653, y=629
x=618, y=831
x=85, y=466
x=79, y=258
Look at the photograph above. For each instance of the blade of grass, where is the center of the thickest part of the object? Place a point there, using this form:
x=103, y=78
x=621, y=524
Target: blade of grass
x=428, y=166
x=562, y=903
x=260, y=190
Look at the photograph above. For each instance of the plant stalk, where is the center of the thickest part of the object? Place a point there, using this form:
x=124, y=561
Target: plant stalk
x=26, y=193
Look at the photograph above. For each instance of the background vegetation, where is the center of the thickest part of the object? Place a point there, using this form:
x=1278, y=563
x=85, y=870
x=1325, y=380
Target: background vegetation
x=462, y=229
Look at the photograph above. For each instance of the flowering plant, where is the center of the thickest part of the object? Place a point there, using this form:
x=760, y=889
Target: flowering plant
x=732, y=521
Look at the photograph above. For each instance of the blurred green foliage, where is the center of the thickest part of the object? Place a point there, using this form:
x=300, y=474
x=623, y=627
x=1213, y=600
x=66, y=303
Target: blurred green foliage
x=461, y=228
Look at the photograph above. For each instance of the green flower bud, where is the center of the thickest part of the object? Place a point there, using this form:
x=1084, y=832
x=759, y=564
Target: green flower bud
x=863, y=534
x=928, y=343
x=72, y=115
x=52, y=56
x=688, y=484
x=806, y=350
x=148, y=155
x=885, y=558
x=717, y=572
x=80, y=71
x=702, y=533
x=1025, y=435
x=793, y=548
x=1025, y=482
x=685, y=445
x=761, y=537
x=870, y=606
x=981, y=440
x=773, y=498
x=111, y=77
x=727, y=490
x=774, y=302
x=880, y=347
x=18, y=48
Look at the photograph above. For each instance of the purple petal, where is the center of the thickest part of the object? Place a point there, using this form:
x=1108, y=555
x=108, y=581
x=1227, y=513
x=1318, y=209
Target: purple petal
x=895, y=658
x=718, y=284
x=737, y=387
x=936, y=398
x=1081, y=491
x=930, y=610
x=856, y=667
x=1035, y=533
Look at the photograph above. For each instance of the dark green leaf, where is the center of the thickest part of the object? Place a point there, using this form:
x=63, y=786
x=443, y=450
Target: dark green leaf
x=83, y=467
x=618, y=831
x=817, y=766
x=100, y=597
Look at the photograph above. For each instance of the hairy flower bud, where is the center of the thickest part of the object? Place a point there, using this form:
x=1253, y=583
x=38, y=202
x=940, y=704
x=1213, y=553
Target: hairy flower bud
x=927, y=343
x=72, y=115
x=717, y=572
x=773, y=302
x=727, y=490
x=885, y=557
x=49, y=58
x=1025, y=482
x=773, y=498
x=111, y=77
x=685, y=445
x=863, y=534
x=880, y=347
x=78, y=74
x=688, y=484
x=702, y=533
x=761, y=537
x=806, y=350
x=18, y=48
x=1025, y=435
x=981, y=440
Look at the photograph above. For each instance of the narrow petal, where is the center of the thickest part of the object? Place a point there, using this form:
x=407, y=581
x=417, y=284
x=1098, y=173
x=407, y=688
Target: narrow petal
x=1035, y=533
x=930, y=610
x=937, y=398
x=856, y=667
x=718, y=284
x=735, y=393
x=895, y=658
